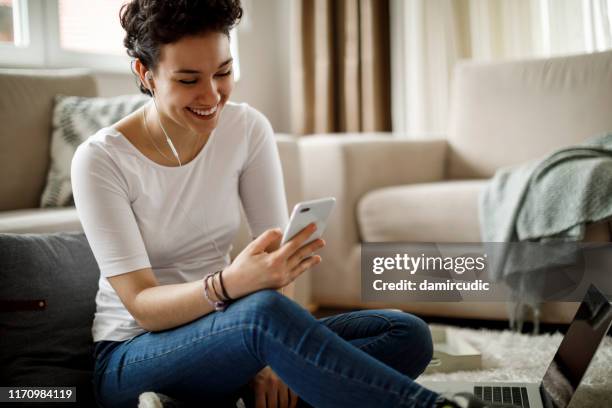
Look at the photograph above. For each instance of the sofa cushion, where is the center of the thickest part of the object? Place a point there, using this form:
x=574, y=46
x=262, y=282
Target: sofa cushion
x=427, y=212
x=74, y=120
x=48, y=284
x=26, y=105
x=40, y=220
x=510, y=112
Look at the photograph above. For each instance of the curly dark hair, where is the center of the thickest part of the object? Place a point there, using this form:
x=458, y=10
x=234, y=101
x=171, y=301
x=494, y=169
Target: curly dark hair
x=149, y=24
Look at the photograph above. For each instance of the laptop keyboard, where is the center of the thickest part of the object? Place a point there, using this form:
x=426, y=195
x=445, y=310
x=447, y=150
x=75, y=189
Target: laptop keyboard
x=507, y=395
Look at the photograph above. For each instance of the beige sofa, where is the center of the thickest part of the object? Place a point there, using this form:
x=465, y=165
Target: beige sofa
x=394, y=189
x=26, y=106
x=388, y=188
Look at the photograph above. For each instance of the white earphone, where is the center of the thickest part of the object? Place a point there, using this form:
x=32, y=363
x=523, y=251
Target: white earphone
x=149, y=77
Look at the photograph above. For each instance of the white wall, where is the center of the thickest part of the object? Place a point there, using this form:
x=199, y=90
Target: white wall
x=263, y=43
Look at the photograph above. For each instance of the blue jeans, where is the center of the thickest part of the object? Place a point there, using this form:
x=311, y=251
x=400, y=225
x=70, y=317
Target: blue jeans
x=359, y=359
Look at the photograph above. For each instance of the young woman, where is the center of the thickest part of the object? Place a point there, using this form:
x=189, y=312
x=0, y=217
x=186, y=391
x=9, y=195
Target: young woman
x=159, y=196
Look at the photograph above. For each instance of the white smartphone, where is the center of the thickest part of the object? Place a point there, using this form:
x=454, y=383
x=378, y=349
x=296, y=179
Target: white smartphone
x=307, y=212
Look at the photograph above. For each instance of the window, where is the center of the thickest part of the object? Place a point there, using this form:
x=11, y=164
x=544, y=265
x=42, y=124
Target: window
x=21, y=43
x=62, y=33
x=68, y=33
x=7, y=28
x=91, y=27
x=85, y=34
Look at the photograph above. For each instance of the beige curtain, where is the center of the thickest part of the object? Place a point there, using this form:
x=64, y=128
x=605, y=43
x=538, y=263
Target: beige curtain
x=340, y=68
x=429, y=36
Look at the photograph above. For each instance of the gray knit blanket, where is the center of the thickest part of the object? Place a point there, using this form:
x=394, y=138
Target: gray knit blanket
x=546, y=201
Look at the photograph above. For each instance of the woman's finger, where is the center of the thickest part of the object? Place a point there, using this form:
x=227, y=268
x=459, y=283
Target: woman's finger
x=283, y=396
x=304, y=252
x=293, y=399
x=262, y=242
x=272, y=396
x=260, y=398
x=303, y=265
x=296, y=242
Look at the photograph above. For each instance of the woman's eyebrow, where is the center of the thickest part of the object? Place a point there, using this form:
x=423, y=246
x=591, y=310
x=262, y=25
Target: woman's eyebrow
x=226, y=62
x=195, y=71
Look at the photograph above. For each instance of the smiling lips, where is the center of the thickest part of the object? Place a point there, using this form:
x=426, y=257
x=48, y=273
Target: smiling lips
x=204, y=112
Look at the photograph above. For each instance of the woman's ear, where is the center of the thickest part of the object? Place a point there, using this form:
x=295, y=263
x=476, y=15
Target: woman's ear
x=146, y=78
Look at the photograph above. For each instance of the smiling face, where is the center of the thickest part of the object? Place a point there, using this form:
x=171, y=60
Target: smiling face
x=193, y=81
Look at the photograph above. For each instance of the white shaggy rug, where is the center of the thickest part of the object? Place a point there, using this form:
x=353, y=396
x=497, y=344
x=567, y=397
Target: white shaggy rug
x=509, y=356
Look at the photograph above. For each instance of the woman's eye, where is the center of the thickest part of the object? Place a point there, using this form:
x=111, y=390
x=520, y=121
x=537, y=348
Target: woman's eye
x=187, y=82
x=222, y=74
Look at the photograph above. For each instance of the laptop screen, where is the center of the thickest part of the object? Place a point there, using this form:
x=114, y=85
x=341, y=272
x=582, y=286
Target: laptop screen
x=576, y=351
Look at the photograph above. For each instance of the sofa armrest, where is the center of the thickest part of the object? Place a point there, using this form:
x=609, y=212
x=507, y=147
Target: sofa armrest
x=40, y=220
x=288, y=151
x=347, y=167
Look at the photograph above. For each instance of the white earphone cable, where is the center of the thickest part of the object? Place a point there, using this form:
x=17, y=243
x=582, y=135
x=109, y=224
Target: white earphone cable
x=168, y=140
x=221, y=257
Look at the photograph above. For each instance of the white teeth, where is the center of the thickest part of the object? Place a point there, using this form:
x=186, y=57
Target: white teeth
x=202, y=112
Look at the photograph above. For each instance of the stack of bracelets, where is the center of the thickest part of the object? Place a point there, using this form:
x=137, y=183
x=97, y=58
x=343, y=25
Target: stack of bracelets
x=223, y=301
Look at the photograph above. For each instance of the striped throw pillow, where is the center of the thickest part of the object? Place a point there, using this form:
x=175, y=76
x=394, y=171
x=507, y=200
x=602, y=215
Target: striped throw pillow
x=76, y=118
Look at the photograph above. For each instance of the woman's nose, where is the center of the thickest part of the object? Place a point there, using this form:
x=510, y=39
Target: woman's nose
x=209, y=94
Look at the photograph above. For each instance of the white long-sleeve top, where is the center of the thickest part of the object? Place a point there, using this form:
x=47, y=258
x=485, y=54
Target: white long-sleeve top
x=179, y=221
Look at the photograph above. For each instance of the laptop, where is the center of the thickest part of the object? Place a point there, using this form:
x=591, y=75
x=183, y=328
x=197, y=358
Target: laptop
x=564, y=374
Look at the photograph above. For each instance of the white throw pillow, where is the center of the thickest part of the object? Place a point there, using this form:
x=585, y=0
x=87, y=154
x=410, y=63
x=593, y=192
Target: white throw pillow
x=76, y=118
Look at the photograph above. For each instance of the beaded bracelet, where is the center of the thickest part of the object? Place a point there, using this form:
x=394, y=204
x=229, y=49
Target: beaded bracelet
x=218, y=305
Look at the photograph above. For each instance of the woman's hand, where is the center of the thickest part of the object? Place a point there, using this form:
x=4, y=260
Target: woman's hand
x=271, y=391
x=266, y=267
